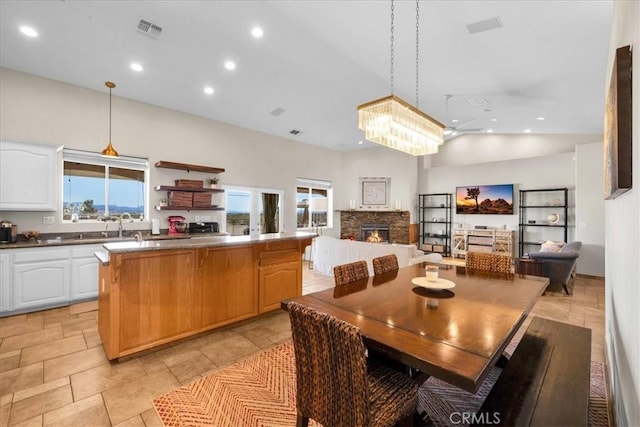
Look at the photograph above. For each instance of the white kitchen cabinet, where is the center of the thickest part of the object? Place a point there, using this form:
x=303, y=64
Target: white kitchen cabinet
x=84, y=272
x=6, y=290
x=41, y=277
x=28, y=176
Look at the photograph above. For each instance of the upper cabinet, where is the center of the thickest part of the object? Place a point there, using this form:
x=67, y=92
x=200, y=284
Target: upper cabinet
x=28, y=176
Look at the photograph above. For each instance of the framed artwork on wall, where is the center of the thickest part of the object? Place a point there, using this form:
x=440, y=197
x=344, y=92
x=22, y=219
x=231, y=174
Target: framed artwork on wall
x=617, y=127
x=374, y=193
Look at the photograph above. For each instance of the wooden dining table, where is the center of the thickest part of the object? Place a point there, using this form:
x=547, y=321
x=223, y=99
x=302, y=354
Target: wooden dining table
x=456, y=334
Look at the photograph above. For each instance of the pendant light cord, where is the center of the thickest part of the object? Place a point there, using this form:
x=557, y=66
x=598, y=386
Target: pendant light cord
x=109, y=114
x=392, y=17
x=417, y=52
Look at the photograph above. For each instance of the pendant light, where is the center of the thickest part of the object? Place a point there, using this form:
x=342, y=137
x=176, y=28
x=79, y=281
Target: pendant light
x=394, y=123
x=110, y=151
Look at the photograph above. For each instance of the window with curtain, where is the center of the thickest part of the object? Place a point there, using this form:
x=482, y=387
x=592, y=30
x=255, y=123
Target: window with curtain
x=313, y=203
x=98, y=188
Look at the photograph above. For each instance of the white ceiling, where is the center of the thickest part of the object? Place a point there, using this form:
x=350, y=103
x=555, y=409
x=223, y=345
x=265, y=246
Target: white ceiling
x=318, y=60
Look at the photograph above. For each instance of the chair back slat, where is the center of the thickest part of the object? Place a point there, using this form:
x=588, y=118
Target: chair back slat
x=488, y=261
x=347, y=273
x=331, y=368
x=385, y=264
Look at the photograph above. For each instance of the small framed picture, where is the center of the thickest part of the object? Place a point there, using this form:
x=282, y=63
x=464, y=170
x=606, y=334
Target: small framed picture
x=374, y=193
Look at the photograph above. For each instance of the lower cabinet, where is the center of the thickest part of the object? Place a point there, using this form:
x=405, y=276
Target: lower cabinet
x=228, y=290
x=84, y=272
x=37, y=278
x=279, y=278
x=41, y=278
x=6, y=290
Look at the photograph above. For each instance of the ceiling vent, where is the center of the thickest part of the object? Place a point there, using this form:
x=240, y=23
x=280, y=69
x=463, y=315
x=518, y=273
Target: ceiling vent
x=147, y=28
x=476, y=101
x=486, y=25
x=294, y=132
x=277, y=111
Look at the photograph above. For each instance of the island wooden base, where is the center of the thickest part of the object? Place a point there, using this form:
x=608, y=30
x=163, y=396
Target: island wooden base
x=149, y=298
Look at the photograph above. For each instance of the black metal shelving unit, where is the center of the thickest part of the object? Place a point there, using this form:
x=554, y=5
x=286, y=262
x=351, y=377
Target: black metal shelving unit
x=434, y=217
x=535, y=206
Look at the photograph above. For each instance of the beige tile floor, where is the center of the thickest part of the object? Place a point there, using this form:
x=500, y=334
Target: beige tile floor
x=53, y=370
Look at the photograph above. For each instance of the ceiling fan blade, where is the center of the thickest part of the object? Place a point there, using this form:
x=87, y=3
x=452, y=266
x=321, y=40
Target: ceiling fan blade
x=471, y=130
x=465, y=123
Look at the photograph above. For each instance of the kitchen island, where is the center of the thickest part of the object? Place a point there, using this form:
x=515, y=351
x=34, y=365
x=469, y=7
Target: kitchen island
x=155, y=292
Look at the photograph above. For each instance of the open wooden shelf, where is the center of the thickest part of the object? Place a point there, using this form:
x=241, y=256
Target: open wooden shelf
x=180, y=208
x=188, y=167
x=190, y=189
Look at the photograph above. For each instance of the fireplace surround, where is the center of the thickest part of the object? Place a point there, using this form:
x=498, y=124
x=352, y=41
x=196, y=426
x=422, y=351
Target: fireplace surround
x=397, y=221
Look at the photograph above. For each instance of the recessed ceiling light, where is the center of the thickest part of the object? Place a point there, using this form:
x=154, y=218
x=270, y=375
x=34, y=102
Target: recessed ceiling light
x=230, y=65
x=257, y=32
x=28, y=31
x=360, y=142
x=493, y=120
x=208, y=90
x=489, y=130
x=527, y=131
x=454, y=120
x=539, y=118
x=136, y=67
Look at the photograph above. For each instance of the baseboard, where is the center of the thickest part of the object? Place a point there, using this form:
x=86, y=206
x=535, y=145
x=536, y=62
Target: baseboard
x=611, y=400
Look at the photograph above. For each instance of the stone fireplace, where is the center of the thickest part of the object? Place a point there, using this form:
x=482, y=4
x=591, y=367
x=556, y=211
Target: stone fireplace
x=374, y=233
x=391, y=226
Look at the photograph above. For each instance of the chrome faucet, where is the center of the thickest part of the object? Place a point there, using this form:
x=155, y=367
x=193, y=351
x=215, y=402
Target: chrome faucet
x=139, y=236
x=120, y=227
x=105, y=233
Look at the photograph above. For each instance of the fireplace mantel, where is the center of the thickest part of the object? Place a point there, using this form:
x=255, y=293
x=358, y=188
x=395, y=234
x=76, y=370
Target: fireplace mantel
x=351, y=220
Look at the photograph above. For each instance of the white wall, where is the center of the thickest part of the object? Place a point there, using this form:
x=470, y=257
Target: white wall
x=49, y=112
x=44, y=111
x=622, y=328
x=590, y=208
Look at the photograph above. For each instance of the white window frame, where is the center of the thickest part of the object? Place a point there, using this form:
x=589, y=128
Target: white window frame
x=255, y=211
x=320, y=185
x=124, y=162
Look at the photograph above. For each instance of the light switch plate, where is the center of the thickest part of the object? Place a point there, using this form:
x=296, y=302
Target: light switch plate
x=47, y=220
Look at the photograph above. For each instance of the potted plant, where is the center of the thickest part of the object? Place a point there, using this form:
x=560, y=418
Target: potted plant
x=163, y=202
x=213, y=182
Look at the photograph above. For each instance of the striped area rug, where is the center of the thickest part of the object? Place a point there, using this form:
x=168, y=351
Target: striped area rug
x=260, y=391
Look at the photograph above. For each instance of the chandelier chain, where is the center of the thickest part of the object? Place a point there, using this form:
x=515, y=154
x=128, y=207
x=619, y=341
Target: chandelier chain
x=392, y=39
x=417, y=51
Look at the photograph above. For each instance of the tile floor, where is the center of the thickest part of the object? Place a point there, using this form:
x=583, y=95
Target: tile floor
x=53, y=370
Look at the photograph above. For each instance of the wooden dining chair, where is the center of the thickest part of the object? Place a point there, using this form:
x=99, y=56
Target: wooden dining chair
x=336, y=384
x=384, y=264
x=347, y=273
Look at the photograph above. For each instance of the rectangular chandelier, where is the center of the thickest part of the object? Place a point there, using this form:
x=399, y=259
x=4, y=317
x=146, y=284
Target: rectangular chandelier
x=396, y=124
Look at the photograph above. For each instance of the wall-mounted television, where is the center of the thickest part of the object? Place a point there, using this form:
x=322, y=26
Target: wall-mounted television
x=485, y=199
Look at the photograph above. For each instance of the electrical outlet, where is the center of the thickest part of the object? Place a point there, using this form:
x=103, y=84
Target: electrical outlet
x=198, y=218
x=206, y=218
x=48, y=220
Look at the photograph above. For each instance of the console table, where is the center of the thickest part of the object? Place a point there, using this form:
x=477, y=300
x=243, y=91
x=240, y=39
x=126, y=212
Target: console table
x=482, y=240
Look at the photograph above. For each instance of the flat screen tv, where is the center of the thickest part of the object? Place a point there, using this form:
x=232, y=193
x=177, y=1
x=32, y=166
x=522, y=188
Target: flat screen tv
x=485, y=199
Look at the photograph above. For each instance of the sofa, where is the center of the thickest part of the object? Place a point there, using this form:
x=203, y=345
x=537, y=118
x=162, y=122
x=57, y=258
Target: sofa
x=559, y=262
x=327, y=252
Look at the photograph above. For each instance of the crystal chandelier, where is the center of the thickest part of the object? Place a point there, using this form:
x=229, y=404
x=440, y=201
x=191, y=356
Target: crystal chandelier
x=394, y=123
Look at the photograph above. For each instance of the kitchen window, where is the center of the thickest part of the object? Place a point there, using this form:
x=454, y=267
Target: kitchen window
x=314, y=201
x=100, y=188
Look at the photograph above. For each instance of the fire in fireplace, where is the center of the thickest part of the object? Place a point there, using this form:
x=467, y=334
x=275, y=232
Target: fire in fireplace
x=374, y=233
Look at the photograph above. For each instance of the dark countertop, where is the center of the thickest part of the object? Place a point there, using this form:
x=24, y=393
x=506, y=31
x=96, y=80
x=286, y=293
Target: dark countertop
x=93, y=240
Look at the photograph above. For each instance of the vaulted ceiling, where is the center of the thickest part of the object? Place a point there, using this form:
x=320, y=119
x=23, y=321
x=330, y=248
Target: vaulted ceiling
x=318, y=60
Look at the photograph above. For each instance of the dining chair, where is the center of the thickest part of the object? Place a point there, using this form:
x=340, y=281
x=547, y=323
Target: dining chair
x=337, y=385
x=347, y=273
x=384, y=264
x=478, y=261
x=489, y=262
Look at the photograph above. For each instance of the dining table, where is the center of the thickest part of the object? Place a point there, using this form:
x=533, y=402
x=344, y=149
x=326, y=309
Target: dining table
x=454, y=329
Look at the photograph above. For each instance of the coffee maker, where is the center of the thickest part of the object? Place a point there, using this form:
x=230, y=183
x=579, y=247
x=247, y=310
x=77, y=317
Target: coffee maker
x=177, y=225
x=8, y=232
